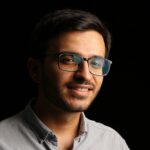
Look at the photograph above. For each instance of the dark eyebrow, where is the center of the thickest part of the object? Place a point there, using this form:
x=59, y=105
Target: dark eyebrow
x=80, y=54
x=66, y=52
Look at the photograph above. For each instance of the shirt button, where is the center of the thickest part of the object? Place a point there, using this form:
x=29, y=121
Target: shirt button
x=79, y=140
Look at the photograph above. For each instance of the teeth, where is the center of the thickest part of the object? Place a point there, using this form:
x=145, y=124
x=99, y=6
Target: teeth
x=82, y=89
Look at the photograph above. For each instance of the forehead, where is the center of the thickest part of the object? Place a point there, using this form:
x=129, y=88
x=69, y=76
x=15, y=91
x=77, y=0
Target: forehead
x=85, y=43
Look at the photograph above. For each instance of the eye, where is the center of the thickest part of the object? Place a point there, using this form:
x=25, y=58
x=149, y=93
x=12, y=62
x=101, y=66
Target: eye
x=77, y=59
x=67, y=59
x=96, y=63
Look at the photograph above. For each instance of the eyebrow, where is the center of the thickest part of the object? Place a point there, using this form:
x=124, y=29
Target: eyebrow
x=80, y=54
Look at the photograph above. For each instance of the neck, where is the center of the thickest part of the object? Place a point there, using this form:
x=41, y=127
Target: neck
x=58, y=120
x=65, y=125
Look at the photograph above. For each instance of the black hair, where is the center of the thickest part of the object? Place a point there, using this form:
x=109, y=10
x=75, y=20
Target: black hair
x=61, y=21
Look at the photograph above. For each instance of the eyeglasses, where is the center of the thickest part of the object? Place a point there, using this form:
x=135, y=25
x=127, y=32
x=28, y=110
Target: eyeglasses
x=71, y=62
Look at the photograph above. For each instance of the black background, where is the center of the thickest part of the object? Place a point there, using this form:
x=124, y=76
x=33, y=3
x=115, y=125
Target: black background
x=123, y=100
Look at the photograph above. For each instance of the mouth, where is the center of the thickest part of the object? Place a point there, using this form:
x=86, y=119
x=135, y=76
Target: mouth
x=80, y=90
x=81, y=87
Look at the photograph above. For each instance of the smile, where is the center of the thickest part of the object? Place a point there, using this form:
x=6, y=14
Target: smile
x=82, y=89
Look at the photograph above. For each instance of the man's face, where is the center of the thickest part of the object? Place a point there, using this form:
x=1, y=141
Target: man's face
x=71, y=91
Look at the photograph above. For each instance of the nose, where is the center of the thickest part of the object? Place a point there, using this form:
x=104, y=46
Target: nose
x=83, y=71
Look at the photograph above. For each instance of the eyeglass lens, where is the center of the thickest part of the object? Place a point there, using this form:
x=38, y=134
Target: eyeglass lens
x=71, y=62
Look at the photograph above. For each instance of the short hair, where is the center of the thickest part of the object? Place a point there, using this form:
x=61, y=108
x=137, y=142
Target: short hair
x=60, y=21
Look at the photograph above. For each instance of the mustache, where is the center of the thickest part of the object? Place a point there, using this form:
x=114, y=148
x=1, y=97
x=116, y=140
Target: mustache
x=81, y=82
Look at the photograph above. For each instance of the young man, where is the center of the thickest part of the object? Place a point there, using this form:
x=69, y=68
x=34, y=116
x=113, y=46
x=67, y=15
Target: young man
x=68, y=61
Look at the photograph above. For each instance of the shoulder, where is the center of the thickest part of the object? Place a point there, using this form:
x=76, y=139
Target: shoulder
x=11, y=130
x=9, y=122
x=10, y=126
x=97, y=126
x=105, y=134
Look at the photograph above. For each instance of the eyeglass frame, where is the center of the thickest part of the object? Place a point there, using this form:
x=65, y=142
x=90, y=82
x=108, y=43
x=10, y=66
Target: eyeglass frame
x=82, y=58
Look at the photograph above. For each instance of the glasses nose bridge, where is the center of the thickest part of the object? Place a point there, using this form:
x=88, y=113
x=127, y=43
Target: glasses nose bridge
x=84, y=68
x=85, y=59
x=82, y=60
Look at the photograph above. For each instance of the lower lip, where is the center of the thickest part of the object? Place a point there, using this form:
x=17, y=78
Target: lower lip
x=79, y=93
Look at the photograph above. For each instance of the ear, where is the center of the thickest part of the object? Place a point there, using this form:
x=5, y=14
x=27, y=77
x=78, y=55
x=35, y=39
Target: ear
x=34, y=69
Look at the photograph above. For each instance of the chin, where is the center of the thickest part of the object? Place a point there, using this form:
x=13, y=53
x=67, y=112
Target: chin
x=74, y=103
x=79, y=109
x=76, y=107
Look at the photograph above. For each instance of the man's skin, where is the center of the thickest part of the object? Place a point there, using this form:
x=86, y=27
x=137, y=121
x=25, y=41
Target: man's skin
x=64, y=95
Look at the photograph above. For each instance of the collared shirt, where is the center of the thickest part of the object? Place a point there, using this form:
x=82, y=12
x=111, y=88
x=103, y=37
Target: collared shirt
x=25, y=131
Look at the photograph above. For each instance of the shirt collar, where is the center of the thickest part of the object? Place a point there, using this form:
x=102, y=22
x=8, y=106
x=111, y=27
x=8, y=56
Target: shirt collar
x=42, y=131
x=83, y=124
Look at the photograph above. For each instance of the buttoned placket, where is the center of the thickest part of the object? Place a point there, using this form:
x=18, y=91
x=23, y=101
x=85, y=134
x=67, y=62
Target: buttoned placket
x=49, y=142
x=78, y=140
x=45, y=135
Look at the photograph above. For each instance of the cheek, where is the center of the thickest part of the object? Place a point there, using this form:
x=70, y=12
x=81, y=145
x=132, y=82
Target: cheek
x=51, y=72
x=58, y=77
x=98, y=81
x=63, y=78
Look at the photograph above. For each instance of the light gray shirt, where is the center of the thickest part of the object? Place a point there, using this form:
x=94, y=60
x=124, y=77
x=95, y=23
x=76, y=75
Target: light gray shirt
x=25, y=131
